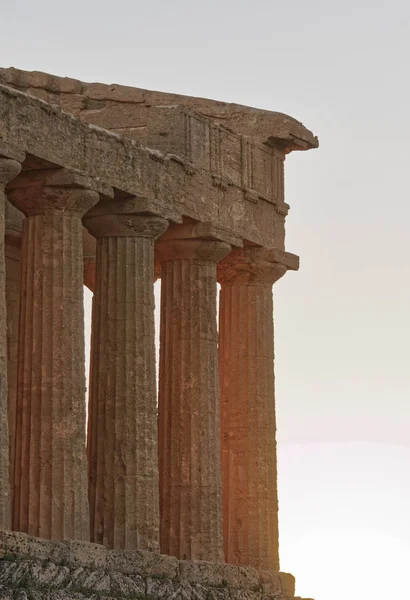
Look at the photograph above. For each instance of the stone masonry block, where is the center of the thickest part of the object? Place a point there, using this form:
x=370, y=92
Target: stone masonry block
x=186, y=591
x=245, y=578
x=56, y=552
x=288, y=584
x=159, y=588
x=202, y=572
x=89, y=555
x=117, y=93
x=14, y=543
x=272, y=582
x=122, y=585
x=142, y=563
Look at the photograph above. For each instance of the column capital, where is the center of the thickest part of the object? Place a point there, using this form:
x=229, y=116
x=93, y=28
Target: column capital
x=123, y=217
x=256, y=266
x=195, y=241
x=9, y=169
x=12, y=152
x=125, y=225
x=48, y=191
x=204, y=251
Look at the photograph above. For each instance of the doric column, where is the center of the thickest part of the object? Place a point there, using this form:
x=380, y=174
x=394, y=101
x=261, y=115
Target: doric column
x=14, y=225
x=123, y=430
x=189, y=426
x=50, y=492
x=89, y=249
x=10, y=166
x=248, y=422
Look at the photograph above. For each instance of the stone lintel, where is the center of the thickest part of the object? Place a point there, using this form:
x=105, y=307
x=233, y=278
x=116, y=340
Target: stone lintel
x=289, y=260
x=172, y=188
x=203, y=231
x=267, y=127
x=253, y=265
x=62, y=178
x=124, y=204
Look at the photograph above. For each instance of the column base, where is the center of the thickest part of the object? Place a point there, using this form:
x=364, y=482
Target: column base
x=32, y=567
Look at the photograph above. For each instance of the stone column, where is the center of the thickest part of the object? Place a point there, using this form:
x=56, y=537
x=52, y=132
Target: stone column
x=89, y=249
x=14, y=225
x=248, y=422
x=50, y=493
x=10, y=166
x=189, y=426
x=123, y=487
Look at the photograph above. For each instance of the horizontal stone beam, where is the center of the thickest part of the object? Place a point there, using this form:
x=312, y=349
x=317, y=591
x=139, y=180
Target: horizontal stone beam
x=164, y=184
x=118, y=106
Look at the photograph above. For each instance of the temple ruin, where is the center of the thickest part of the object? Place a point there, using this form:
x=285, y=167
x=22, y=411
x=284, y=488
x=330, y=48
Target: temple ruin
x=161, y=496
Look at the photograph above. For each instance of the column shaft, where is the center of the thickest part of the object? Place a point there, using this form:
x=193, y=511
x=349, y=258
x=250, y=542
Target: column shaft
x=248, y=426
x=51, y=472
x=123, y=418
x=8, y=170
x=189, y=419
x=248, y=422
x=50, y=488
x=14, y=220
x=123, y=429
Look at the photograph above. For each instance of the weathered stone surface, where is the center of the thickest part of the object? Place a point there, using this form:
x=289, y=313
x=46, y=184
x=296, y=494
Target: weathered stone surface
x=202, y=572
x=123, y=437
x=8, y=170
x=50, y=465
x=160, y=588
x=188, y=163
x=238, y=179
x=13, y=228
x=89, y=570
x=248, y=422
x=114, y=92
x=265, y=126
x=188, y=409
x=90, y=555
x=241, y=577
x=89, y=254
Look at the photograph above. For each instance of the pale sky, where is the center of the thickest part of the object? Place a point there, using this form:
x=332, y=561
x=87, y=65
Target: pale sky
x=342, y=322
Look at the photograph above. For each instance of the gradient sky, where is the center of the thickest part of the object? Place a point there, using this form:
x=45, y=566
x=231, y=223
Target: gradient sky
x=342, y=322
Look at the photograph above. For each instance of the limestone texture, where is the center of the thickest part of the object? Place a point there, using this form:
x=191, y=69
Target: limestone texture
x=130, y=111
x=210, y=174
x=9, y=168
x=50, y=490
x=188, y=190
x=248, y=421
x=189, y=428
x=123, y=431
x=36, y=569
x=13, y=227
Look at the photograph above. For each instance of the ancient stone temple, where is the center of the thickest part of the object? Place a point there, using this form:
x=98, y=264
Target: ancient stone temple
x=149, y=496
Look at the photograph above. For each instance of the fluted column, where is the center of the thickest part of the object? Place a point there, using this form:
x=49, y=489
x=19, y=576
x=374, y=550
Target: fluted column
x=189, y=427
x=13, y=229
x=50, y=492
x=123, y=428
x=248, y=422
x=8, y=169
x=89, y=249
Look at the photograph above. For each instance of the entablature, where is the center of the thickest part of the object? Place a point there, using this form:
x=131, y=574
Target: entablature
x=209, y=175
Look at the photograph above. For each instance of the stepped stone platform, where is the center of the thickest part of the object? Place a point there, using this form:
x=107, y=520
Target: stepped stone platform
x=36, y=569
